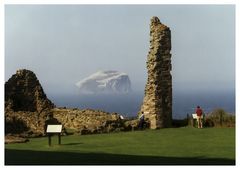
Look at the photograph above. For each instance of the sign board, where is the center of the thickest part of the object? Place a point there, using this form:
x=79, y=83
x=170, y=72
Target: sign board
x=54, y=128
x=195, y=116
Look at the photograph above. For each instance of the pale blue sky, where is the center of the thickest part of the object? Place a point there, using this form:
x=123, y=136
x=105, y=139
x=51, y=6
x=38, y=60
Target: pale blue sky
x=63, y=44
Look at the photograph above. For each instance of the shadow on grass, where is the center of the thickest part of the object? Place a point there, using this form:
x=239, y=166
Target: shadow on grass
x=27, y=157
x=73, y=143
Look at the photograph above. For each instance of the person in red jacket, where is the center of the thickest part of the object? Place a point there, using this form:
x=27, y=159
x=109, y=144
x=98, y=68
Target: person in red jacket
x=199, y=112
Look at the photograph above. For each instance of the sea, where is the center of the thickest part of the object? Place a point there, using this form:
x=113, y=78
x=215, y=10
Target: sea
x=128, y=105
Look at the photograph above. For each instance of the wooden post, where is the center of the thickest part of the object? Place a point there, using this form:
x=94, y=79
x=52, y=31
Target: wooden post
x=188, y=120
x=59, y=138
x=49, y=140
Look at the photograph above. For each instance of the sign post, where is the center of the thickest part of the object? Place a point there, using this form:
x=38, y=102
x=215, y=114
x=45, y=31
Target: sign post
x=54, y=129
x=59, y=139
x=49, y=139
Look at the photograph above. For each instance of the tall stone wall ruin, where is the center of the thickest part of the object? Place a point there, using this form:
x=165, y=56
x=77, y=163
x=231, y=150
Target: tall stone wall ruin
x=157, y=102
x=23, y=92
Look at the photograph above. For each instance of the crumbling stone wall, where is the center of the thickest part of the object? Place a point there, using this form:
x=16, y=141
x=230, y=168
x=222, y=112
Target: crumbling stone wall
x=27, y=108
x=89, y=121
x=31, y=124
x=26, y=104
x=157, y=102
x=23, y=92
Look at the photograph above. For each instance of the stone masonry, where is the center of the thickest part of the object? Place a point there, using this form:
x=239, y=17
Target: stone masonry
x=23, y=92
x=157, y=102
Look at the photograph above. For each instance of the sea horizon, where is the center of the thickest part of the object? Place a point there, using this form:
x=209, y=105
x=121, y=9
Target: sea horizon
x=129, y=104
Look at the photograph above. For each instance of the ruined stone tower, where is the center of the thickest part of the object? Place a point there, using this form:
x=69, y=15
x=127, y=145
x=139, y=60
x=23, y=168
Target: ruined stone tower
x=157, y=102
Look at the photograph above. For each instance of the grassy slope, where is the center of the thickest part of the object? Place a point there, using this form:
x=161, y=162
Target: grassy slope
x=165, y=146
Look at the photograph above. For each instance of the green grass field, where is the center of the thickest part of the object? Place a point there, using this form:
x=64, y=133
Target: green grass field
x=172, y=146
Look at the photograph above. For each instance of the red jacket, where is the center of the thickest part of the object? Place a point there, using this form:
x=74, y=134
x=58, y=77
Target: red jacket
x=199, y=112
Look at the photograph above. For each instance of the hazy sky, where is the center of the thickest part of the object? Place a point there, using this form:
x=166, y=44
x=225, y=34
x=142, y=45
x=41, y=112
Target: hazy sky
x=63, y=44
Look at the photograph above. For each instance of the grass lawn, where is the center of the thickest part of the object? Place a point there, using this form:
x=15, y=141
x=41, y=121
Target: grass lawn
x=172, y=146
